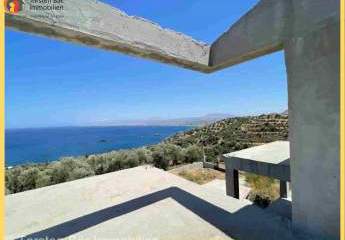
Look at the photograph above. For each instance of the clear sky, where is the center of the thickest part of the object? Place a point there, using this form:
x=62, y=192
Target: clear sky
x=54, y=83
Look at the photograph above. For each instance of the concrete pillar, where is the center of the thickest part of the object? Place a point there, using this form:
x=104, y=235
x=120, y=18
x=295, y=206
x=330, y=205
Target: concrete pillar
x=232, y=182
x=283, y=189
x=312, y=58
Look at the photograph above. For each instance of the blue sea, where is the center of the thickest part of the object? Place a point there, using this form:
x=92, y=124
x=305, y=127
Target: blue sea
x=41, y=145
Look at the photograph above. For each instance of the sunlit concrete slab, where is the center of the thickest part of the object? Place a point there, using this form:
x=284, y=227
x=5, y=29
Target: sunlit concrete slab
x=96, y=24
x=142, y=202
x=272, y=159
x=220, y=185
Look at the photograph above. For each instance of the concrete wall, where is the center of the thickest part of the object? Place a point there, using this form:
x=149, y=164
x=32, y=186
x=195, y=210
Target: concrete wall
x=312, y=57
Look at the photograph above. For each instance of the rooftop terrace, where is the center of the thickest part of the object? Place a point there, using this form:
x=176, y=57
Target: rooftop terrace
x=142, y=202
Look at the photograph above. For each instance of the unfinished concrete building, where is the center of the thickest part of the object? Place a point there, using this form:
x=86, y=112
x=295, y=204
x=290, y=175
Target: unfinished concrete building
x=308, y=33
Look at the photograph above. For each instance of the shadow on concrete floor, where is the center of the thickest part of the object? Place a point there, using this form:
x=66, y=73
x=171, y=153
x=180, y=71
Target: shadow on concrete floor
x=281, y=207
x=249, y=222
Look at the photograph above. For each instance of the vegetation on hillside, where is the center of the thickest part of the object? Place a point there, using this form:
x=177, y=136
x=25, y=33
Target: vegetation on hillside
x=220, y=137
x=33, y=176
x=234, y=134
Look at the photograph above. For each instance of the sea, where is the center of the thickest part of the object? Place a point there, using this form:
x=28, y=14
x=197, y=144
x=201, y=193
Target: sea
x=42, y=145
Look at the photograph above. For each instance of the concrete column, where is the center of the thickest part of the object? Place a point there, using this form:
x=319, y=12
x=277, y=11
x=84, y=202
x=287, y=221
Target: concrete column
x=312, y=58
x=231, y=182
x=283, y=189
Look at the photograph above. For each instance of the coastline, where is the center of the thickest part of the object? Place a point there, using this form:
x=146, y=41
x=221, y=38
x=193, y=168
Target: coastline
x=44, y=145
x=182, y=147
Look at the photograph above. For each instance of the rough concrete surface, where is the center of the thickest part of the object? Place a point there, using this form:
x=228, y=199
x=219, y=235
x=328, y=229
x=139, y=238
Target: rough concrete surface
x=219, y=184
x=277, y=152
x=272, y=160
x=142, y=202
x=260, y=31
x=313, y=83
x=99, y=25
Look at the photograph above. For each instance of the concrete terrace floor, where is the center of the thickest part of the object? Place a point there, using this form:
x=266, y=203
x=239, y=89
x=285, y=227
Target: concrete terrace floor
x=138, y=203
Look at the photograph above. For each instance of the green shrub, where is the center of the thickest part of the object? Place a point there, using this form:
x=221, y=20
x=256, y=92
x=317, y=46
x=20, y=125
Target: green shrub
x=27, y=179
x=193, y=153
x=43, y=178
x=59, y=173
x=80, y=172
x=122, y=159
x=172, y=154
x=70, y=169
x=132, y=159
x=114, y=164
x=264, y=190
x=81, y=169
x=144, y=156
x=158, y=157
x=12, y=181
x=97, y=163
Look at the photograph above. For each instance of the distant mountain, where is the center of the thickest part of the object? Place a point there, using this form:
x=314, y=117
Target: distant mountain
x=187, y=121
x=286, y=112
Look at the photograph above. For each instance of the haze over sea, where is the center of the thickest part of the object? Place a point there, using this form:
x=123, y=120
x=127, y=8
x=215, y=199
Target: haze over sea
x=39, y=145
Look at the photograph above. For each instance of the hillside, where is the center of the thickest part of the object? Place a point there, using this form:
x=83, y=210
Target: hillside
x=214, y=139
x=233, y=134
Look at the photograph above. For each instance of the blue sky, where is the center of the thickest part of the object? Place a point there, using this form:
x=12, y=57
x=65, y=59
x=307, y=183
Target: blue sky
x=53, y=83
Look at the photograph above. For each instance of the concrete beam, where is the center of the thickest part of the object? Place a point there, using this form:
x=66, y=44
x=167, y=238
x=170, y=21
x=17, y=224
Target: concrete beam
x=261, y=31
x=90, y=22
x=96, y=24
